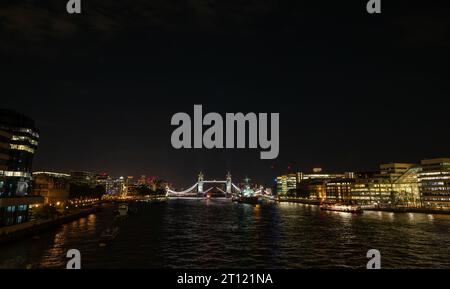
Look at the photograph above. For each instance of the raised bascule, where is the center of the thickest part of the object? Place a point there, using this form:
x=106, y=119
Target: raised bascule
x=226, y=187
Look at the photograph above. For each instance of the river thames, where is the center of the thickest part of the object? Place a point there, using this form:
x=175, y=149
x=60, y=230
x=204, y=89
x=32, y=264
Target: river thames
x=218, y=233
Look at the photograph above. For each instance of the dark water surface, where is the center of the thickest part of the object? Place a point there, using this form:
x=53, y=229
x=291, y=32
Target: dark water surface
x=221, y=234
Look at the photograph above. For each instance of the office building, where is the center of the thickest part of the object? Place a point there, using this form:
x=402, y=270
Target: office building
x=105, y=181
x=53, y=187
x=309, y=185
x=434, y=183
x=82, y=178
x=338, y=190
x=286, y=183
x=393, y=171
x=18, y=143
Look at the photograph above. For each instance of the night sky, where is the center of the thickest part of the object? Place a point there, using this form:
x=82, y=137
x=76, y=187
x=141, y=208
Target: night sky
x=353, y=90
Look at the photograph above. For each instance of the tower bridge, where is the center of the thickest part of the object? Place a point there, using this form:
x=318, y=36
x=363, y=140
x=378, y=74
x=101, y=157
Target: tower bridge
x=202, y=187
x=199, y=189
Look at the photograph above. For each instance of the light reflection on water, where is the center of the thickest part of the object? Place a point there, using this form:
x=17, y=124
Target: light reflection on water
x=222, y=234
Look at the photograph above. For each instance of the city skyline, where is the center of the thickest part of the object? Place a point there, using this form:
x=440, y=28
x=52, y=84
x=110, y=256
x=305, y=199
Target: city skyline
x=394, y=186
x=270, y=173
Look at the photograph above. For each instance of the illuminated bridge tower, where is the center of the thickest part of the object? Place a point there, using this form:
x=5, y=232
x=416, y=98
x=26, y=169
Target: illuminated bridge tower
x=228, y=184
x=200, y=183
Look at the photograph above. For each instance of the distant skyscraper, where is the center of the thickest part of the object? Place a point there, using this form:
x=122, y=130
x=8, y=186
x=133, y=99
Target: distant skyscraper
x=106, y=181
x=130, y=185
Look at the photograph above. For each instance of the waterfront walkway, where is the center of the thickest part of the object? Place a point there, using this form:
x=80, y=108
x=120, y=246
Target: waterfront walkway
x=10, y=233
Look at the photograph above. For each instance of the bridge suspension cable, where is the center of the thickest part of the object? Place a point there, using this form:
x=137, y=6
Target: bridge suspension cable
x=182, y=192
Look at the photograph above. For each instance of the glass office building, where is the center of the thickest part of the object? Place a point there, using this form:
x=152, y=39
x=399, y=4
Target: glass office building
x=18, y=143
x=434, y=183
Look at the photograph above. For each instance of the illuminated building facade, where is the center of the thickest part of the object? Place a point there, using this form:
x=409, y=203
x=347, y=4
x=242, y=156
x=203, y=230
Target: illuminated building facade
x=281, y=185
x=118, y=187
x=291, y=182
x=18, y=143
x=434, y=183
x=318, y=174
x=395, y=184
x=106, y=181
x=130, y=185
x=312, y=189
x=393, y=171
x=406, y=188
x=308, y=185
x=339, y=190
x=285, y=183
x=372, y=191
x=82, y=178
x=53, y=187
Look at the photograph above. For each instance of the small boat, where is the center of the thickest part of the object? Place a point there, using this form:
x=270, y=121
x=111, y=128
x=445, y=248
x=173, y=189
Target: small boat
x=109, y=234
x=342, y=208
